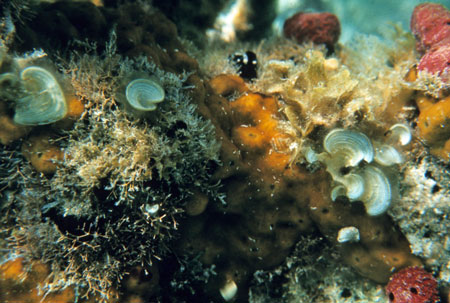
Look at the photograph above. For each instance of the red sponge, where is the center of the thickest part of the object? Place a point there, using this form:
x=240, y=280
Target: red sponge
x=412, y=285
x=320, y=28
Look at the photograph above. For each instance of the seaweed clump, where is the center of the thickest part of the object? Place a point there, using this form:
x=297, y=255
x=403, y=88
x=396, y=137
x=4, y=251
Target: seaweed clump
x=115, y=199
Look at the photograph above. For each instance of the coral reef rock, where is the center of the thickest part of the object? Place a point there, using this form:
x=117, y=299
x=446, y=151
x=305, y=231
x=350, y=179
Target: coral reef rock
x=422, y=211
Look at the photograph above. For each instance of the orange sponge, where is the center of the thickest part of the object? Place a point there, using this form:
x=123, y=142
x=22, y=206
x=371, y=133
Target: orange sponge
x=258, y=131
x=434, y=121
x=42, y=154
x=20, y=285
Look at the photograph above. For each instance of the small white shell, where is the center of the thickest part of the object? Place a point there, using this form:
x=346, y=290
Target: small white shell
x=310, y=155
x=377, y=191
x=353, y=146
x=44, y=102
x=348, y=234
x=354, y=184
x=338, y=191
x=229, y=290
x=400, y=134
x=144, y=94
x=352, y=187
x=387, y=155
x=151, y=209
x=8, y=77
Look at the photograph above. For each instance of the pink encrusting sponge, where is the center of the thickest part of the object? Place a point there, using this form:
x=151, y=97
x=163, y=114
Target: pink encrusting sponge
x=430, y=24
x=320, y=28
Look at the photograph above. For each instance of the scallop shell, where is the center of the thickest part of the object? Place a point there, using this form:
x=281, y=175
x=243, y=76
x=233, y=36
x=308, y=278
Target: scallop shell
x=338, y=191
x=387, y=155
x=44, y=102
x=352, y=146
x=229, y=290
x=400, y=134
x=354, y=185
x=8, y=77
x=348, y=234
x=310, y=155
x=144, y=94
x=377, y=191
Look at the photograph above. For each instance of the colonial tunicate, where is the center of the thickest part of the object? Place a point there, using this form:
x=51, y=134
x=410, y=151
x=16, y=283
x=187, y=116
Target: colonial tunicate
x=44, y=101
x=144, y=94
x=348, y=234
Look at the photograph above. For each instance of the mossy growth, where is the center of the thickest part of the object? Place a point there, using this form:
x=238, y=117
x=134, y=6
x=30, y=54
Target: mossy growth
x=115, y=199
x=313, y=270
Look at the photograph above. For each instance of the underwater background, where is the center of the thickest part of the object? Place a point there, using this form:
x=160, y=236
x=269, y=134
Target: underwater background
x=224, y=151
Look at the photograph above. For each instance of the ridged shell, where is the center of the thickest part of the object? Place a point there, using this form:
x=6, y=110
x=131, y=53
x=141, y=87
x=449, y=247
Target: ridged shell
x=348, y=234
x=338, y=191
x=8, y=77
x=377, y=191
x=400, y=134
x=310, y=155
x=229, y=290
x=354, y=146
x=354, y=184
x=387, y=155
x=144, y=94
x=44, y=102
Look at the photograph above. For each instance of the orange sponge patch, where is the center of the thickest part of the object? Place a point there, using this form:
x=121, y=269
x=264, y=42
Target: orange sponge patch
x=249, y=138
x=258, y=130
x=434, y=122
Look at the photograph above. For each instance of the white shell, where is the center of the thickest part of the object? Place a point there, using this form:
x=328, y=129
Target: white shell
x=144, y=94
x=338, y=191
x=387, y=155
x=353, y=146
x=348, y=234
x=44, y=102
x=151, y=209
x=229, y=290
x=400, y=134
x=377, y=191
x=354, y=184
x=8, y=77
x=310, y=155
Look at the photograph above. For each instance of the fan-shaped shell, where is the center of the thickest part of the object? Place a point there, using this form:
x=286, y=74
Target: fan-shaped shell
x=377, y=191
x=354, y=184
x=348, y=234
x=353, y=146
x=387, y=155
x=144, y=94
x=8, y=77
x=400, y=134
x=44, y=102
